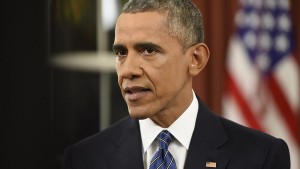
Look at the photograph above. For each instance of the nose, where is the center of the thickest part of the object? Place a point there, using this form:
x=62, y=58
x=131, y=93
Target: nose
x=130, y=67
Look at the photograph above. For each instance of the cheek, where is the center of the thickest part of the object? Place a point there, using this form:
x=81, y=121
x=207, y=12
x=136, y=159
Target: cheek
x=175, y=74
x=117, y=65
x=118, y=75
x=120, y=81
x=164, y=78
x=166, y=72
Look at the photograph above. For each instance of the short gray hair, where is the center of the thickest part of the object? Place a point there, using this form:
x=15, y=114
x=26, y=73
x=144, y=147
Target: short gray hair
x=184, y=19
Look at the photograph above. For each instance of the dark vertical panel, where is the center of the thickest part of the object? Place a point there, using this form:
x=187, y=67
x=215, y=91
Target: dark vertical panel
x=75, y=109
x=74, y=93
x=295, y=11
x=218, y=21
x=27, y=113
x=216, y=41
x=200, y=83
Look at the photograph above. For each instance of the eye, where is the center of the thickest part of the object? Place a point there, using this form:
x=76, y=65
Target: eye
x=121, y=53
x=148, y=51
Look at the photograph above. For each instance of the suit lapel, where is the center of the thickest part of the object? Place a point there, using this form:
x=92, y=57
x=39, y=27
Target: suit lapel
x=207, y=139
x=129, y=150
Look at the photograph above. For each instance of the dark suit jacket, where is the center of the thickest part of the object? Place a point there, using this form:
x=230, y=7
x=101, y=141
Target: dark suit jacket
x=215, y=139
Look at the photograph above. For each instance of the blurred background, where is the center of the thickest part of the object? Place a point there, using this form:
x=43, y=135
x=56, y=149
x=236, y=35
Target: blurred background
x=60, y=85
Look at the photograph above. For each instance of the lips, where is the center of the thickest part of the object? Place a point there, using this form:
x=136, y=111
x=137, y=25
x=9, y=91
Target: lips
x=136, y=89
x=135, y=93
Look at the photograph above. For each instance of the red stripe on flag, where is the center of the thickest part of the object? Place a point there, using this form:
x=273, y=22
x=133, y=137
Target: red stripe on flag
x=284, y=107
x=247, y=112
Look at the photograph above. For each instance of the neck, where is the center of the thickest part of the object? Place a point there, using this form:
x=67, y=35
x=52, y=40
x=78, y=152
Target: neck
x=167, y=117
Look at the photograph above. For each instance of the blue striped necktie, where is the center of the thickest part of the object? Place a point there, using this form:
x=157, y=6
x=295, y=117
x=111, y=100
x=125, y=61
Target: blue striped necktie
x=163, y=159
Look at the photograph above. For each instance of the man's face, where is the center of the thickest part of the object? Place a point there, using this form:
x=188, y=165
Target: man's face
x=152, y=67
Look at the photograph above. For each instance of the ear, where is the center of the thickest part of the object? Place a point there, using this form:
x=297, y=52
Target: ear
x=199, y=56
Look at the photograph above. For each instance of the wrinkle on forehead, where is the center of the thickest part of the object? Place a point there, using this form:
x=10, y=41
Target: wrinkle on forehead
x=140, y=24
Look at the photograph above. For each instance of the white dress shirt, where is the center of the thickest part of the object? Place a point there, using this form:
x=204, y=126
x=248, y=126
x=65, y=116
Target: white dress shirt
x=182, y=129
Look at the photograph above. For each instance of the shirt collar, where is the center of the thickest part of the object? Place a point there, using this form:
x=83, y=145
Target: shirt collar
x=182, y=129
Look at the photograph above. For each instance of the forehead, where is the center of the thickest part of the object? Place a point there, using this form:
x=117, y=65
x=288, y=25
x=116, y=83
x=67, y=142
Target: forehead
x=141, y=19
x=140, y=25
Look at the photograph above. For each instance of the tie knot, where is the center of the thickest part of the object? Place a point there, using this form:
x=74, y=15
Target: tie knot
x=165, y=138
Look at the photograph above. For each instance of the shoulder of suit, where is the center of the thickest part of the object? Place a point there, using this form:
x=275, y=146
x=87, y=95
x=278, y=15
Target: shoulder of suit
x=237, y=131
x=113, y=132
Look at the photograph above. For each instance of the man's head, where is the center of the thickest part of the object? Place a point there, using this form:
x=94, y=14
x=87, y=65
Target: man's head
x=154, y=65
x=184, y=20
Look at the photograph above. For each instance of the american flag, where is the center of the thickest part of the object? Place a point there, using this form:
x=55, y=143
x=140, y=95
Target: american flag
x=263, y=73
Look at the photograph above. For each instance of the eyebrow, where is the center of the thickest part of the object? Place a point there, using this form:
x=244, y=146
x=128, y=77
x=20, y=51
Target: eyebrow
x=117, y=47
x=140, y=45
x=151, y=45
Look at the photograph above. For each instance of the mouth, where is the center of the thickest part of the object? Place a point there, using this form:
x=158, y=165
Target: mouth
x=135, y=93
x=136, y=89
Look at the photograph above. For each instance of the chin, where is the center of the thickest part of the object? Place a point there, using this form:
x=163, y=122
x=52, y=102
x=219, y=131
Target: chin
x=139, y=115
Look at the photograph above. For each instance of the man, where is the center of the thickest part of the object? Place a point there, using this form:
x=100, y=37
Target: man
x=159, y=47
